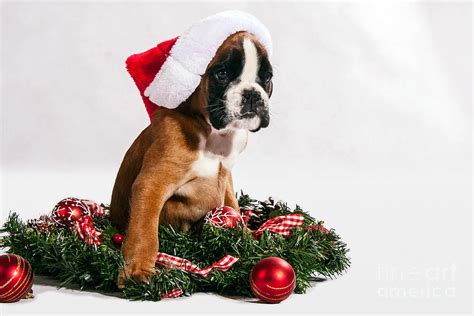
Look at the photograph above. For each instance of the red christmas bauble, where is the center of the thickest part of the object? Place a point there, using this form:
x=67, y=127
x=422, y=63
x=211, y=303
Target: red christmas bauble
x=272, y=280
x=16, y=278
x=117, y=239
x=224, y=216
x=68, y=211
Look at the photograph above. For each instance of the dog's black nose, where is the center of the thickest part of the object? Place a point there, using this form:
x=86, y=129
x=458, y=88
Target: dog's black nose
x=251, y=100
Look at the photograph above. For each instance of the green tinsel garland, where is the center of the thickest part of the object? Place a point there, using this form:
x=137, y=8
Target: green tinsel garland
x=60, y=254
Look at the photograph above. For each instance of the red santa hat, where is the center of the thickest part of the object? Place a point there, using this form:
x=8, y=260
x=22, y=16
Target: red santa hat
x=168, y=74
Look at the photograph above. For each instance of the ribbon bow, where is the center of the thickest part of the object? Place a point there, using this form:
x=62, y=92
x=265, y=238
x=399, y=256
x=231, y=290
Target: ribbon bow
x=85, y=229
x=169, y=261
x=281, y=224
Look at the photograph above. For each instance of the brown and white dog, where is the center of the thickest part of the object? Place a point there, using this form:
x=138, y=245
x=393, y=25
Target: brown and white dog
x=179, y=167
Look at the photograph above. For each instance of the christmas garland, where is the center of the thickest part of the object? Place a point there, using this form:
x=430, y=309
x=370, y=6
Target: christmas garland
x=84, y=249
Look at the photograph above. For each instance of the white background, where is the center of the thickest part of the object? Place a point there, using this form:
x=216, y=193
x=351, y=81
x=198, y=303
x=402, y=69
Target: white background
x=370, y=131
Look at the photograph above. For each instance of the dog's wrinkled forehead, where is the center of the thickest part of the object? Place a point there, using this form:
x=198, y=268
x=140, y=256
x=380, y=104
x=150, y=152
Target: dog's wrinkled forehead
x=242, y=55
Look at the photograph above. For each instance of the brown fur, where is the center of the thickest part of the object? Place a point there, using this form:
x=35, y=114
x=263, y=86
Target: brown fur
x=159, y=163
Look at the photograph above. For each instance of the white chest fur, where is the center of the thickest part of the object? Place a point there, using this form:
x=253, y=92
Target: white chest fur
x=221, y=147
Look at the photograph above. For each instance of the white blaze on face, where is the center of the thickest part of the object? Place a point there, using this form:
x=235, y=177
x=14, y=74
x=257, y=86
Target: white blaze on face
x=249, y=72
x=246, y=80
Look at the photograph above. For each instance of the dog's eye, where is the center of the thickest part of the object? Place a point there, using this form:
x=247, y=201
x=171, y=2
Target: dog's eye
x=222, y=75
x=267, y=77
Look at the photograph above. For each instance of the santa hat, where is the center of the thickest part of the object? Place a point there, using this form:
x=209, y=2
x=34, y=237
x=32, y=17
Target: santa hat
x=168, y=74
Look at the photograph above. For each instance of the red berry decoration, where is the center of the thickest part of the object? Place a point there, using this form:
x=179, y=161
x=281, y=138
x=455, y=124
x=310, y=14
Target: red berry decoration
x=225, y=217
x=272, y=280
x=68, y=211
x=16, y=278
x=117, y=239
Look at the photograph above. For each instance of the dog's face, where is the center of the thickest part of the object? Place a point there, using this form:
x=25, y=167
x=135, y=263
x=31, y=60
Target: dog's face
x=239, y=84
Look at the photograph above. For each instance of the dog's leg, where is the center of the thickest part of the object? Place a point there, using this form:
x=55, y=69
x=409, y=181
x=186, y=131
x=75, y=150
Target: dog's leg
x=229, y=198
x=128, y=172
x=150, y=191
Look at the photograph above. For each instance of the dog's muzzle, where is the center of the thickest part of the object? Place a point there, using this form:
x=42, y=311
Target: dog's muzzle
x=253, y=105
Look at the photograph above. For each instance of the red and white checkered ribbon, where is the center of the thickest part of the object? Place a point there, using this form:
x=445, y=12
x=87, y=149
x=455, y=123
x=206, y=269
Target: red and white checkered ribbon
x=85, y=229
x=94, y=208
x=281, y=224
x=176, y=292
x=169, y=261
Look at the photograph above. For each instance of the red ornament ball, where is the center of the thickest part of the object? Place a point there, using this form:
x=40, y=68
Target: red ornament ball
x=68, y=211
x=117, y=239
x=16, y=278
x=272, y=280
x=224, y=216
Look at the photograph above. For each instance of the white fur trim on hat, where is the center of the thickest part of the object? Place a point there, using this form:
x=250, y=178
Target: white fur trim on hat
x=189, y=57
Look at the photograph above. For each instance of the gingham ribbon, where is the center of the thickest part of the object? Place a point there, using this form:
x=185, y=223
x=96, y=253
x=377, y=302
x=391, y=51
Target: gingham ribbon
x=85, y=229
x=169, y=261
x=176, y=292
x=94, y=208
x=281, y=224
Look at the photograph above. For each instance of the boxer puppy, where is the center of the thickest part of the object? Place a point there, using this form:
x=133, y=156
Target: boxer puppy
x=179, y=167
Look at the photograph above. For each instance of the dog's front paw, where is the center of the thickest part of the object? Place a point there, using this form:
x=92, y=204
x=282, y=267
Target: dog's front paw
x=140, y=272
